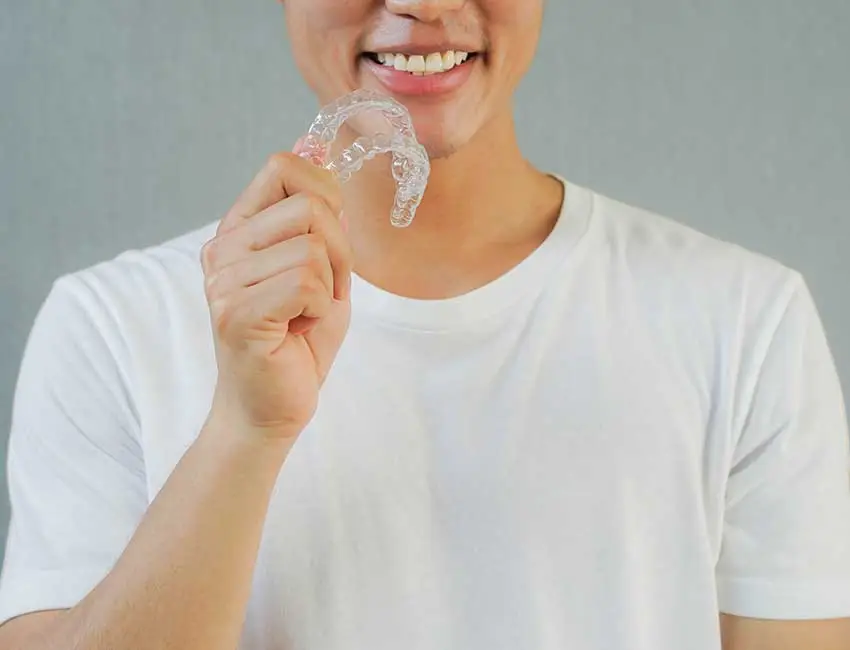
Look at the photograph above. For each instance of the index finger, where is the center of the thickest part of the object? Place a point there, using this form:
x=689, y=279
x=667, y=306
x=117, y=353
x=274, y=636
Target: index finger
x=284, y=175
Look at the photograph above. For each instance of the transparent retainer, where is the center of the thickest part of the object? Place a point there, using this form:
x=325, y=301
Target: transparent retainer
x=410, y=163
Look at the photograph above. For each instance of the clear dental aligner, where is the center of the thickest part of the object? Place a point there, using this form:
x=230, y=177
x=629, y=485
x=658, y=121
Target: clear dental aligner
x=410, y=166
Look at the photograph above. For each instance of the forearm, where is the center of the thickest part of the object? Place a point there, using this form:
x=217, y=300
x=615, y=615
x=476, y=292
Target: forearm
x=185, y=578
x=760, y=634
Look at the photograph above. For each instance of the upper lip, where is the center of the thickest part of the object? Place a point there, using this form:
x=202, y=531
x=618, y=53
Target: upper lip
x=420, y=48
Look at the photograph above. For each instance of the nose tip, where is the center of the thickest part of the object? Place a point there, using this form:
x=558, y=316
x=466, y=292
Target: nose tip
x=426, y=11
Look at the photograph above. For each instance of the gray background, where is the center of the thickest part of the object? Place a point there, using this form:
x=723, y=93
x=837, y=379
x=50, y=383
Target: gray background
x=125, y=123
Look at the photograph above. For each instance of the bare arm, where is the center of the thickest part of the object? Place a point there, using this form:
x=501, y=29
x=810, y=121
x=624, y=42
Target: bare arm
x=184, y=579
x=758, y=634
x=276, y=280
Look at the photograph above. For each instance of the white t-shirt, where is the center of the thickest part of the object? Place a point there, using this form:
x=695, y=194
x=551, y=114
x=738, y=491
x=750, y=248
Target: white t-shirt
x=633, y=429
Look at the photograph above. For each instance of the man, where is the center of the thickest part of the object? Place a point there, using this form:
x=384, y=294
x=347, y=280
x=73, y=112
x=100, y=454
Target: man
x=537, y=418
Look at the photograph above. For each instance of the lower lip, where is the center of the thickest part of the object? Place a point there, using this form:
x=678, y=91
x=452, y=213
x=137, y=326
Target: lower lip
x=399, y=82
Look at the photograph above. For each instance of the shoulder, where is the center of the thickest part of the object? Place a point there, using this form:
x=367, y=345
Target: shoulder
x=673, y=264
x=153, y=282
x=650, y=241
x=140, y=305
x=151, y=273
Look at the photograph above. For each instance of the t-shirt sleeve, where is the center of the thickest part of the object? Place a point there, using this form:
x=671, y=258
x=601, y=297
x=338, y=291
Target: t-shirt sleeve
x=786, y=539
x=75, y=468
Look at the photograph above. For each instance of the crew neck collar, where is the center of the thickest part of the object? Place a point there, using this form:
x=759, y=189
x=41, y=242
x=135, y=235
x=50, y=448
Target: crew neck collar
x=524, y=281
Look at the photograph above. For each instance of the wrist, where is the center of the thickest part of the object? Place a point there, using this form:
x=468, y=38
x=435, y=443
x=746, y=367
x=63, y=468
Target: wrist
x=231, y=436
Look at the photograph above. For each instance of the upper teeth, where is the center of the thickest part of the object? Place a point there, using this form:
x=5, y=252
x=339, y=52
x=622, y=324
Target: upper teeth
x=420, y=65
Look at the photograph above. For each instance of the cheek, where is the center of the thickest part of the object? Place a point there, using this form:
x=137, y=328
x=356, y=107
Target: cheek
x=322, y=36
x=505, y=13
x=515, y=32
x=317, y=25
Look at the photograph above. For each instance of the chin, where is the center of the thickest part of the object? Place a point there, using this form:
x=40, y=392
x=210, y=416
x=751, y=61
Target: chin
x=440, y=150
x=439, y=138
x=449, y=124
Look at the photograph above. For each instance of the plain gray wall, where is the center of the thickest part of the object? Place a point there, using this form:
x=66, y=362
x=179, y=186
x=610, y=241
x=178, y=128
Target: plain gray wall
x=126, y=123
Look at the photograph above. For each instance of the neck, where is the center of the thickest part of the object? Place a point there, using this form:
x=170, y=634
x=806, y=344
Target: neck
x=484, y=202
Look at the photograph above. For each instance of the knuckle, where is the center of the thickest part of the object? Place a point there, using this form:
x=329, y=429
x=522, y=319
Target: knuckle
x=212, y=289
x=216, y=251
x=316, y=253
x=230, y=320
x=221, y=312
x=316, y=207
x=306, y=281
x=219, y=283
x=279, y=162
x=207, y=255
x=210, y=254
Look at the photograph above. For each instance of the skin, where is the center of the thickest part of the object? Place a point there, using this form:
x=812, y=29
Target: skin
x=277, y=276
x=486, y=207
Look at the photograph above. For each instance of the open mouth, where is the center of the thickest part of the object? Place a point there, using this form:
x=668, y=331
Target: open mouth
x=422, y=65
